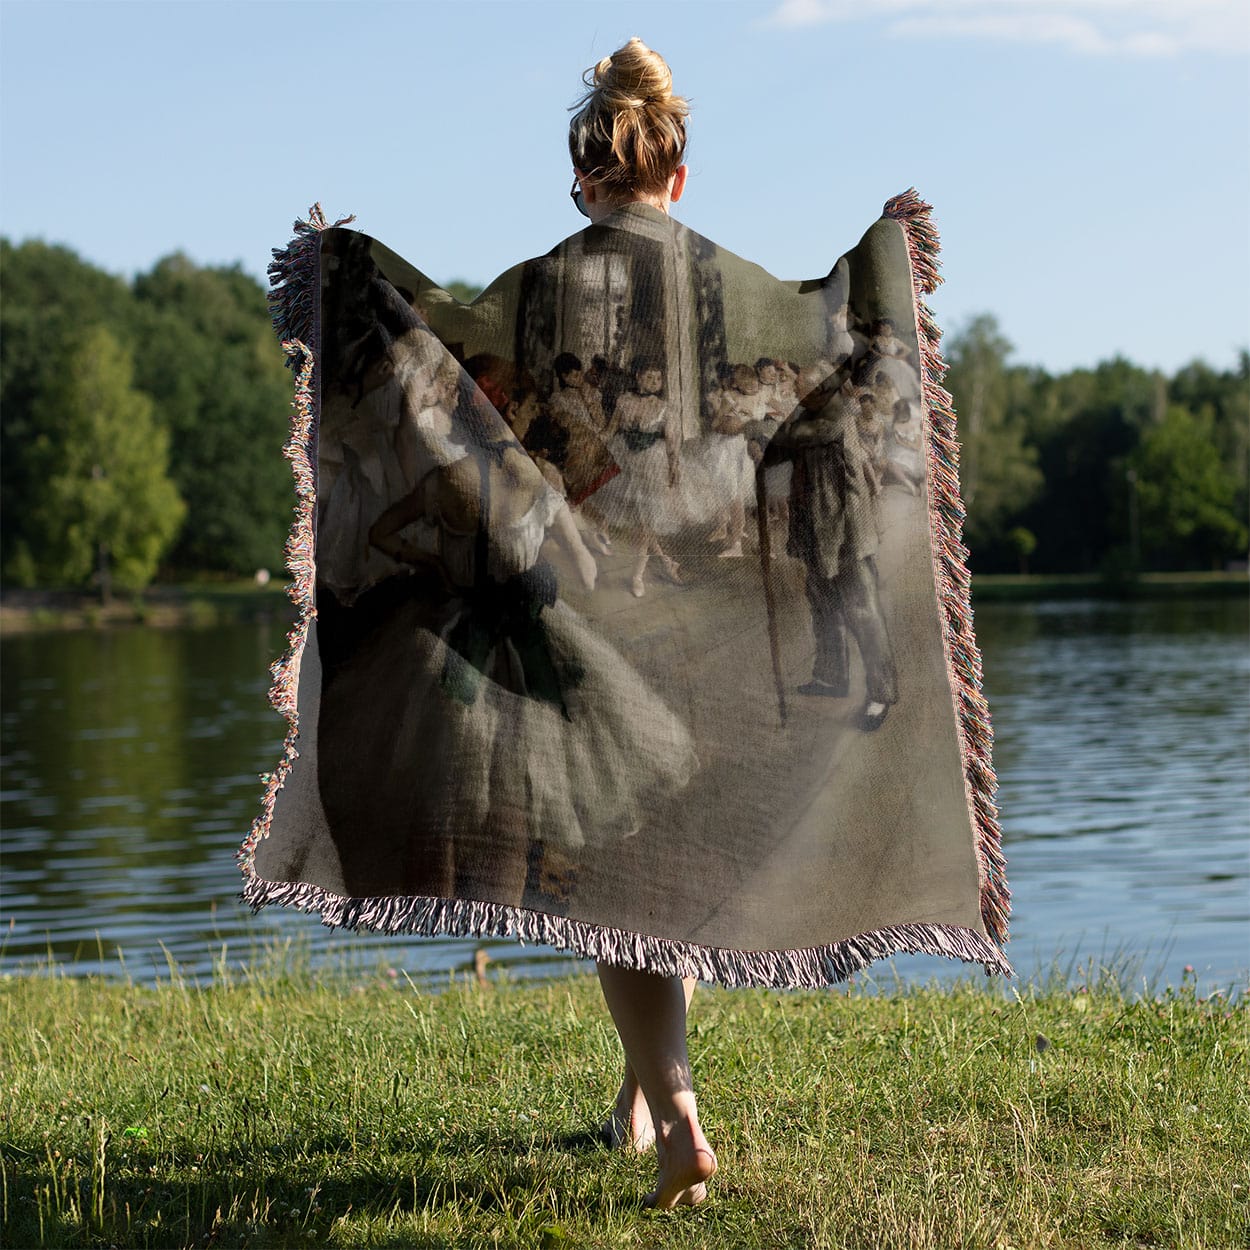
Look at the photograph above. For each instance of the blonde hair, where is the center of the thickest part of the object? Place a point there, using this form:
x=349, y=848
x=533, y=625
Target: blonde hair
x=629, y=131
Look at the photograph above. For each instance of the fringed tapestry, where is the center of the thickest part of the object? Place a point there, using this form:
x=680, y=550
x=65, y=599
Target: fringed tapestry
x=634, y=618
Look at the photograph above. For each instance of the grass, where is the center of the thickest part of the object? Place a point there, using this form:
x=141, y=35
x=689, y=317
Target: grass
x=296, y=1109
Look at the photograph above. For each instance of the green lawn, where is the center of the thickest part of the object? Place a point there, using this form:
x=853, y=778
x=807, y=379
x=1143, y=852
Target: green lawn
x=298, y=1110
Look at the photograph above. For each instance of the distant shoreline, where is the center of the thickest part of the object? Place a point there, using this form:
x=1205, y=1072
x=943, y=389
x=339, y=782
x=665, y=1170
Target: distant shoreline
x=175, y=605
x=197, y=604
x=1006, y=587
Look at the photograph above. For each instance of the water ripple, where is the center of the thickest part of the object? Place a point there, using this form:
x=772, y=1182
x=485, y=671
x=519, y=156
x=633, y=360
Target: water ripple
x=131, y=765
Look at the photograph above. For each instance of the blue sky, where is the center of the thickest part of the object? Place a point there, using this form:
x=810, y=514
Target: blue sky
x=1089, y=160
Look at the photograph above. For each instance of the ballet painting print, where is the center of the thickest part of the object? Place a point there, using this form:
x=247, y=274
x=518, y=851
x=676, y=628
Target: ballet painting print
x=449, y=655
x=625, y=573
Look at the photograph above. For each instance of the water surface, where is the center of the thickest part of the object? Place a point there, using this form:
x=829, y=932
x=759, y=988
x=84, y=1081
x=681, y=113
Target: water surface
x=131, y=761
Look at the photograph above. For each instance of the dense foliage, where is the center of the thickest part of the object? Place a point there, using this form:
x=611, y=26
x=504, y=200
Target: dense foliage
x=142, y=423
x=105, y=502
x=196, y=380
x=1113, y=469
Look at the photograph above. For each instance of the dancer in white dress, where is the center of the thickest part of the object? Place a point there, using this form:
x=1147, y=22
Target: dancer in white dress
x=367, y=459
x=743, y=404
x=905, y=458
x=777, y=387
x=643, y=500
x=846, y=343
x=577, y=408
x=884, y=342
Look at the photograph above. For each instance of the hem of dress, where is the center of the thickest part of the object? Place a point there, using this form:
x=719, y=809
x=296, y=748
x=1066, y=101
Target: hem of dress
x=811, y=967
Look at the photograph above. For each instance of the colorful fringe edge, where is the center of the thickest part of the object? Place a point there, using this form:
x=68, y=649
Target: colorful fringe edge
x=294, y=275
x=950, y=562
x=295, y=280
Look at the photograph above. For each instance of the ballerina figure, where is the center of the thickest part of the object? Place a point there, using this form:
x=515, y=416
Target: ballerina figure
x=647, y=446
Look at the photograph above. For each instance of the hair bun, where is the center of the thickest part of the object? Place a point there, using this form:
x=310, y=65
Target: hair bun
x=634, y=76
x=629, y=130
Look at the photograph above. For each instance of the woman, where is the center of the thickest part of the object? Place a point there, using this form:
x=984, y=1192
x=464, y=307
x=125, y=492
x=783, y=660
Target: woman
x=627, y=142
x=481, y=742
x=742, y=403
x=647, y=446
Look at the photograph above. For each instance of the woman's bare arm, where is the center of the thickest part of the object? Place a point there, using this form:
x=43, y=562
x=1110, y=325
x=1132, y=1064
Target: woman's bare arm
x=564, y=530
x=384, y=532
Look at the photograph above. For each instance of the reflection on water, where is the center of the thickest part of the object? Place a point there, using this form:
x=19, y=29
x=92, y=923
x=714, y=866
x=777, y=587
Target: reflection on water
x=1122, y=732
x=131, y=762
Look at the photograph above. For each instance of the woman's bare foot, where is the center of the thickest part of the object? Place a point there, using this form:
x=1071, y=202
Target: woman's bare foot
x=686, y=1165
x=629, y=1126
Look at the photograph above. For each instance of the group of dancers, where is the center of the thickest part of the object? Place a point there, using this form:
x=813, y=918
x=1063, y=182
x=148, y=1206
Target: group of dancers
x=506, y=734
x=658, y=484
x=609, y=445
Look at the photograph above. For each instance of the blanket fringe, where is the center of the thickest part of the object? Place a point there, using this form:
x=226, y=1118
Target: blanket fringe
x=954, y=583
x=294, y=278
x=810, y=968
x=294, y=275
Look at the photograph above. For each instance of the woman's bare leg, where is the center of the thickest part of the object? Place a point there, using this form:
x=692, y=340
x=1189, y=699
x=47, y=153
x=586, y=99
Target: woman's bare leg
x=735, y=528
x=638, y=582
x=650, y=1015
x=671, y=568
x=629, y=1124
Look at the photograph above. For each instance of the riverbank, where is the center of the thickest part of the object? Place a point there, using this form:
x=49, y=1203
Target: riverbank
x=285, y=1110
x=219, y=603
x=1013, y=587
x=195, y=604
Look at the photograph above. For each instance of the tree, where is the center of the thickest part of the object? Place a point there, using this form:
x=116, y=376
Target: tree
x=997, y=468
x=1023, y=543
x=208, y=357
x=1223, y=398
x=51, y=298
x=465, y=292
x=1186, y=495
x=1087, y=426
x=103, y=504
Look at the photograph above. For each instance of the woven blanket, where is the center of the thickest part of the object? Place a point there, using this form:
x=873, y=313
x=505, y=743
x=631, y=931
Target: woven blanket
x=634, y=618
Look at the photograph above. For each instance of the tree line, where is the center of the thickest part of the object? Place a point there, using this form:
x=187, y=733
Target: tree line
x=142, y=420
x=1113, y=470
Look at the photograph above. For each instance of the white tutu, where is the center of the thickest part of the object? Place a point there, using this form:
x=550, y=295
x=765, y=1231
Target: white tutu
x=715, y=470
x=640, y=496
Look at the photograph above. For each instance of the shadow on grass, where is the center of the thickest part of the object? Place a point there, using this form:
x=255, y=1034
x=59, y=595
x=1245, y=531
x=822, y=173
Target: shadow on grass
x=255, y=1199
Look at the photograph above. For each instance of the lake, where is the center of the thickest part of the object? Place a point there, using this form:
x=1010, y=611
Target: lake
x=130, y=775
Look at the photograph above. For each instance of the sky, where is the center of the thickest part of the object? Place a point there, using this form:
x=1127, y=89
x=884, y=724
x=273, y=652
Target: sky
x=1088, y=160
